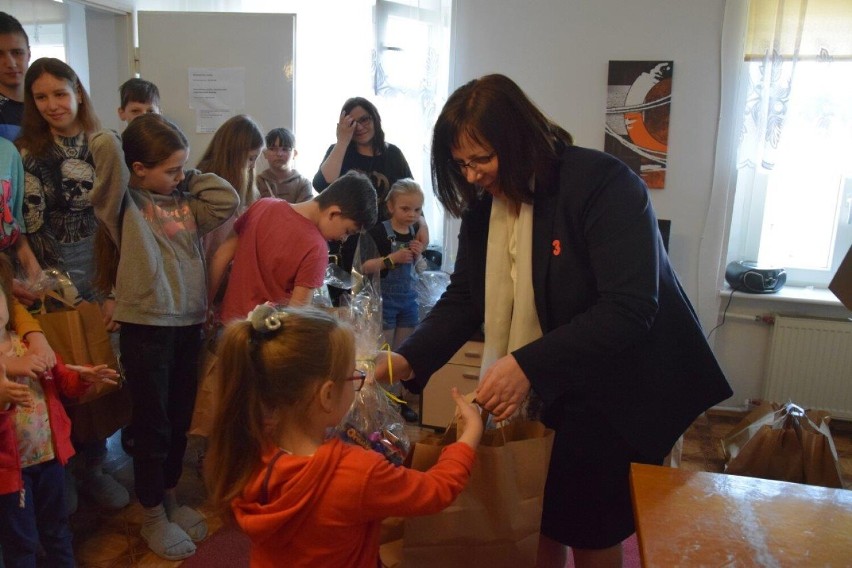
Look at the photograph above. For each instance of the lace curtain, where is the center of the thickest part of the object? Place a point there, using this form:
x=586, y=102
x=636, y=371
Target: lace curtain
x=780, y=35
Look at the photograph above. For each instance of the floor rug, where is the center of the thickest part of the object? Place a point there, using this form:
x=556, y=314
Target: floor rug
x=226, y=548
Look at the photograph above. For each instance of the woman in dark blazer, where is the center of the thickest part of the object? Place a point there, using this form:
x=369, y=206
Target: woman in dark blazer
x=560, y=258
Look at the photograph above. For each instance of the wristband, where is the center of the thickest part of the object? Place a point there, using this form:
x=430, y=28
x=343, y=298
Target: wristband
x=389, y=263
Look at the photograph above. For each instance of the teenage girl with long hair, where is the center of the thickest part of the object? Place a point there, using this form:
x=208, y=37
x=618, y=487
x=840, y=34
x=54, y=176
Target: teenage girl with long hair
x=288, y=375
x=160, y=291
x=58, y=120
x=231, y=155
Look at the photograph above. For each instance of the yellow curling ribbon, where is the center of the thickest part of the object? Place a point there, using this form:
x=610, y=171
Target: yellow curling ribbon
x=387, y=349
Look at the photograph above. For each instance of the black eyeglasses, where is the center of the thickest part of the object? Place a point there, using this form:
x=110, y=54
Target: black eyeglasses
x=474, y=163
x=358, y=378
x=364, y=120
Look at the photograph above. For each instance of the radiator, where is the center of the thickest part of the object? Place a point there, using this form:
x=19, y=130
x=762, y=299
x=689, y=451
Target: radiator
x=810, y=363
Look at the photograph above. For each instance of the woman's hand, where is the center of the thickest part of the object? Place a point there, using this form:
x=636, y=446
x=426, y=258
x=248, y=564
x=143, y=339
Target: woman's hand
x=39, y=347
x=96, y=374
x=398, y=369
x=23, y=294
x=503, y=388
x=107, y=309
x=345, y=129
x=12, y=392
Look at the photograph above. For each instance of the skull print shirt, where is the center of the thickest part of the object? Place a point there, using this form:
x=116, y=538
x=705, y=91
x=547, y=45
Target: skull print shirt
x=57, y=208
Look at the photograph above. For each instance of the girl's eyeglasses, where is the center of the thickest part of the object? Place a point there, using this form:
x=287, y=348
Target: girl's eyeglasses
x=364, y=120
x=357, y=378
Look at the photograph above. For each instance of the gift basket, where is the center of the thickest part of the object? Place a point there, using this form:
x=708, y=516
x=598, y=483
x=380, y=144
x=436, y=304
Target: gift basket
x=372, y=422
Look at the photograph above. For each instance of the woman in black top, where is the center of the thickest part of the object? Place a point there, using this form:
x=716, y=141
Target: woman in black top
x=360, y=146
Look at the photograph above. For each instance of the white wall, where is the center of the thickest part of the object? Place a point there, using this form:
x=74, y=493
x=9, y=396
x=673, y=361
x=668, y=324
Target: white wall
x=558, y=52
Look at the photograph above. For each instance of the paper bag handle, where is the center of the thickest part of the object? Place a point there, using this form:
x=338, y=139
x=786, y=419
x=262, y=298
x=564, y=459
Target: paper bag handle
x=453, y=426
x=58, y=298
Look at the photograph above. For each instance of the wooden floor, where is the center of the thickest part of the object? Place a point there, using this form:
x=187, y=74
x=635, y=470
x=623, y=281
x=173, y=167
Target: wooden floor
x=111, y=539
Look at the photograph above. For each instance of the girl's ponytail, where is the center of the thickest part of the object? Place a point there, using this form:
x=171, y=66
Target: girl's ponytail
x=235, y=444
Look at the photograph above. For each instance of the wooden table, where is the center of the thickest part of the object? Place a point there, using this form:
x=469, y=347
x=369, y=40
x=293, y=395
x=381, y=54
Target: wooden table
x=687, y=518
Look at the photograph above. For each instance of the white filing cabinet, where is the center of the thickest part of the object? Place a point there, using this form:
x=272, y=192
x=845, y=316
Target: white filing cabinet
x=462, y=371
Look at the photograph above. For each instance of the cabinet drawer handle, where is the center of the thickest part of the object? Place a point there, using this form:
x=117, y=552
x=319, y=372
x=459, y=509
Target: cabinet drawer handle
x=472, y=354
x=474, y=376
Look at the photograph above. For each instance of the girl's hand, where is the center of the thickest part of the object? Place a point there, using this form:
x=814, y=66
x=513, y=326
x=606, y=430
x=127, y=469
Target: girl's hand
x=96, y=374
x=402, y=256
x=416, y=247
x=503, y=388
x=107, y=309
x=470, y=420
x=345, y=128
x=12, y=392
x=41, y=348
x=29, y=365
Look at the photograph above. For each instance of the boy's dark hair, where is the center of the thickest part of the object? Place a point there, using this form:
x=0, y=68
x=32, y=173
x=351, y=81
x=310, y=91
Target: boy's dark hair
x=281, y=136
x=137, y=90
x=355, y=196
x=10, y=25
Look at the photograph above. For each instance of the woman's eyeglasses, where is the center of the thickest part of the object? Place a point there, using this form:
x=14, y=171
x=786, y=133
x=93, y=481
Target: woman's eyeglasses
x=474, y=163
x=357, y=379
x=364, y=120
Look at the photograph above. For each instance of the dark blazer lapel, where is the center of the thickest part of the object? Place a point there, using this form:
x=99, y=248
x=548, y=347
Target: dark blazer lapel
x=544, y=212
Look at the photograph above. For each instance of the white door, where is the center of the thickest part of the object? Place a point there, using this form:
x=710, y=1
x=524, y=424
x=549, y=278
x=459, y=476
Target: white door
x=250, y=53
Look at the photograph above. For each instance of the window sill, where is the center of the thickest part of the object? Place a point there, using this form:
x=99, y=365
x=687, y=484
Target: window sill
x=790, y=294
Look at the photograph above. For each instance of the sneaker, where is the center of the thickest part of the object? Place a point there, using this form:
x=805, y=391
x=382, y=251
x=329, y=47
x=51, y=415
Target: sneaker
x=409, y=413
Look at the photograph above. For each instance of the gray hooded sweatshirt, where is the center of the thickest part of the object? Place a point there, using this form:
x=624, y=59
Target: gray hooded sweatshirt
x=161, y=276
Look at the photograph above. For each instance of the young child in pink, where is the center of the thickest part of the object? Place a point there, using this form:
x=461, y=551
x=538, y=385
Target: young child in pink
x=35, y=445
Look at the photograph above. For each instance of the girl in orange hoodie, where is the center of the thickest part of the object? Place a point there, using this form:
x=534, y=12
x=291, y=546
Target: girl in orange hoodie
x=288, y=376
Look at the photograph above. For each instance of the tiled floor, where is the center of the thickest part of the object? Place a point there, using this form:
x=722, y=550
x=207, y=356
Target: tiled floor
x=111, y=539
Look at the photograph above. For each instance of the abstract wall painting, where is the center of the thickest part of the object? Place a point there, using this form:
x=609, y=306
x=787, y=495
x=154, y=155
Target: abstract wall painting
x=637, y=117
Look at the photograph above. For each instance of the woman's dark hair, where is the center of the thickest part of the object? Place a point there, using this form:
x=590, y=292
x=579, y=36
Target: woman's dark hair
x=36, y=136
x=495, y=113
x=378, y=142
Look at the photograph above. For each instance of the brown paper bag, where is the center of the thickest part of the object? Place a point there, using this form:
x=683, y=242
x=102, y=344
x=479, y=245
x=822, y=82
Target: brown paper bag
x=207, y=396
x=495, y=521
x=79, y=336
x=784, y=443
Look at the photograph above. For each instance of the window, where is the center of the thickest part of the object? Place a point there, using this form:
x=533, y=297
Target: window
x=793, y=203
x=411, y=78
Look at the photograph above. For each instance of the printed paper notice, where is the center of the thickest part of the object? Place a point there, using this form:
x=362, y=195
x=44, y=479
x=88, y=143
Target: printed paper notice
x=217, y=88
x=208, y=120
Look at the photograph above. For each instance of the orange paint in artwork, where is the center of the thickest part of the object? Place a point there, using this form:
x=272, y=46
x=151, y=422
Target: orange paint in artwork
x=654, y=180
x=639, y=133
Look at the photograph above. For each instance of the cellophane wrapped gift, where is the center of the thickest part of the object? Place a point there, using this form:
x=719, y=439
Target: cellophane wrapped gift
x=372, y=422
